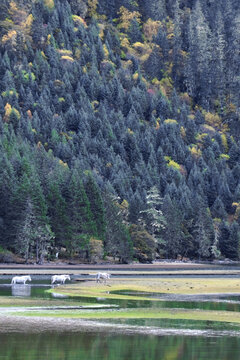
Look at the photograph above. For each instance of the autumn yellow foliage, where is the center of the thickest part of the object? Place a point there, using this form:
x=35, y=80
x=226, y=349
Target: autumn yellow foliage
x=200, y=137
x=11, y=35
x=195, y=152
x=67, y=58
x=125, y=43
x=186, y=98
x=208, y=129
x=106, y=52
x=150, y=29
x=225, y=156
x=29, y=20
x=173, y=164
x=215, y=121
x=18, y=15
x=79, y=20
x=64, y=52
x=224, y=142
x=9, y=93
x=135, y=76
x=170, y=121
x=92, y=8
x=9, y=110
x=125, y=17
x=18, y=21
x=49, y=4
x=130, y=131
x=63, y=163
x=166, y=86
x=138, y=45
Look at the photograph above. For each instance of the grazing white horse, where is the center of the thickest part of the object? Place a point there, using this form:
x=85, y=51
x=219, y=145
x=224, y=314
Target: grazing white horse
x=60, y=278
x=103, y=276
x=20, y=279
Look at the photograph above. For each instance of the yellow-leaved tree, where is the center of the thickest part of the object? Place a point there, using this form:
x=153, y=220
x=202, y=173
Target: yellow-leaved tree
x=125, y=17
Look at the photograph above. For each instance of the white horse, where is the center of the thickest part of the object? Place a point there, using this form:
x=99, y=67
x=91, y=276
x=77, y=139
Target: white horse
x=103, y=276
x=20, y=279
x=60, y=278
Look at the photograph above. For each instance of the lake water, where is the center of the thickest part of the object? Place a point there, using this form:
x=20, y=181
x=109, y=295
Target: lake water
x=150, y=339
x=107, y=346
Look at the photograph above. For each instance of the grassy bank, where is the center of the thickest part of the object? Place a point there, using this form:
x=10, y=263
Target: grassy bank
x=141, y=313
x=8, y=302
x=152, y=285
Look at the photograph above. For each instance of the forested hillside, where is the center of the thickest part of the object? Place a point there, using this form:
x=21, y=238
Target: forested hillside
x=119, y=129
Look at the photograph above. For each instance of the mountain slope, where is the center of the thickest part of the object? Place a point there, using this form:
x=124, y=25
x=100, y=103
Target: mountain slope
x=125, y=96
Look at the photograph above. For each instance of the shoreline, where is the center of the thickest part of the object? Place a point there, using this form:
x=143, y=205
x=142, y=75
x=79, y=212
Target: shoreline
x=165, y=267
x=155, y=265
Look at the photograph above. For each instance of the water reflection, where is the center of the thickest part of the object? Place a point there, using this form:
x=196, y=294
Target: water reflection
x=102, y=346
x=225, y=303
x=21, y=290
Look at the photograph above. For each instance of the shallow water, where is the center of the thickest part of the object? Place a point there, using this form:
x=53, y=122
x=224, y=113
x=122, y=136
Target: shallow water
x=108, y=346
x=126, y=339
x=37, y=289
x=207, y=302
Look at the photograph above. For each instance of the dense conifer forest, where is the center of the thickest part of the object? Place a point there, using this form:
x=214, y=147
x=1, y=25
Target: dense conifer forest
x=119, y=129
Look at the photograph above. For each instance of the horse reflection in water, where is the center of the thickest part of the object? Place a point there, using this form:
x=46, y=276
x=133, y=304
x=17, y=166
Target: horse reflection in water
x=103, y=276
x=22, y=290
x=59, y=278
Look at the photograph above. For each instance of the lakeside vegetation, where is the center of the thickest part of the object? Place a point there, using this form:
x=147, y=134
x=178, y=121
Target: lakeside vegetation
x=177, y=314
x=152, y=285
x=138, y=293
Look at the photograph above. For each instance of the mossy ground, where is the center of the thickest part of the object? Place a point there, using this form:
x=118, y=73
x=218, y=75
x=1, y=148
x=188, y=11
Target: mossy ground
x=153, y=285
x=6, y=301
x=141, y=313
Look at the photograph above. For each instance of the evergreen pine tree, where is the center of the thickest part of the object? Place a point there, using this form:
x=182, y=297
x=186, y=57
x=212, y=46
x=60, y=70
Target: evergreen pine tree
x=96, y=206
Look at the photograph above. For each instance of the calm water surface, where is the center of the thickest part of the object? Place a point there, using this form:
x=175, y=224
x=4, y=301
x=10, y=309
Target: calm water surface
x=94, y=346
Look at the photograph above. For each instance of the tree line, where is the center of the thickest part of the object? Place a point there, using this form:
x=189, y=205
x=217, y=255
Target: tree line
x=119, y=129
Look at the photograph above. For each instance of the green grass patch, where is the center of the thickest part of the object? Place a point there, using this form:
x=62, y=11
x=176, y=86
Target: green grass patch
x=9, y=301
x=152, y=285
x=180, y=314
